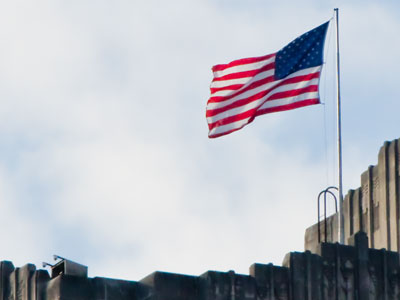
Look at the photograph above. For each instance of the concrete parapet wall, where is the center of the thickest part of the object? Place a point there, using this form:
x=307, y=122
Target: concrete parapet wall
x=335, y=272
x=373, y=207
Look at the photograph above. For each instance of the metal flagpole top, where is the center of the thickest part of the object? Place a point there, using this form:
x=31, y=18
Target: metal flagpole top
x=339, y=134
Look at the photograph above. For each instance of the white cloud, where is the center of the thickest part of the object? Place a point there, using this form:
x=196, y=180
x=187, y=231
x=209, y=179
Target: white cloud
x=105, y=157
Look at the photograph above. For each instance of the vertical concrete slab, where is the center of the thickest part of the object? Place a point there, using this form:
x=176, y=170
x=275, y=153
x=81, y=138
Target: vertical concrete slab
x=305, y=275
x=361, y=266
x=329, y=279
x=381, y=198
x=215, y=285
x=264, y=277
x=375, y=273
x=41, y=279
x=281, y=283
x=398, y=192
x=365, y=198
x=311, y=238
x=272, y=282
x=357, y=211
x=345, y=269
x=244, y=287
x=314, y=267
x=169, y=286
x=392, y=276
x=6, y=268
x=26, y=282
x=367, y=219
x=378, y=210
x=348, y=215
x=298, y=276
x=393, y=196
x=332, y=228
x=385, y=281
x=14, y=293
x=351, y=213
x=339, y=271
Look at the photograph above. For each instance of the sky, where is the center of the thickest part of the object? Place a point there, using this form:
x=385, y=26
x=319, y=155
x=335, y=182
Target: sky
x=104, y=154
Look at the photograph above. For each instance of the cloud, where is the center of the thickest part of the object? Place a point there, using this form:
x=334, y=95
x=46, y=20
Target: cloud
x=104, y=152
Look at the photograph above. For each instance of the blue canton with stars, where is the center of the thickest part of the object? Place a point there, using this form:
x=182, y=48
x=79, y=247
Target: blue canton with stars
x=304, y=52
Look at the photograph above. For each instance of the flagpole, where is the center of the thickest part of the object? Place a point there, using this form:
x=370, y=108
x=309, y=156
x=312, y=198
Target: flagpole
x=339, y=134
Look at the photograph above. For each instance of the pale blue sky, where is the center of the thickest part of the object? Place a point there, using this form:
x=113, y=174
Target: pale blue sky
x=104, y=155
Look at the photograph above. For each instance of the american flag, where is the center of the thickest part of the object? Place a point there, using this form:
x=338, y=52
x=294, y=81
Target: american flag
x=246, y=88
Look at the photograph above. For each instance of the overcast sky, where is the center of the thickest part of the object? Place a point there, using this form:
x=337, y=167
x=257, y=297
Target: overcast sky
x=104, y=154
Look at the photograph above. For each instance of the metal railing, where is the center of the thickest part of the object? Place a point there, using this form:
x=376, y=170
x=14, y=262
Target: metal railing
x=325, y=192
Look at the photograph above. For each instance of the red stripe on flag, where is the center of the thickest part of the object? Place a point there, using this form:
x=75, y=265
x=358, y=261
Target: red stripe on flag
x=245, y=74
x=254, y=85
x=234, y=118
x=287, y=107
x=238, y=103
x=292, y=93
x=261, y=82
x=267, y=111
x=242, y=61
x=251, y=86
x=245, y=101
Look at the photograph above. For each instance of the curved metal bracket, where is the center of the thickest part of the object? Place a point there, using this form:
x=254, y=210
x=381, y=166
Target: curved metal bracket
x=325, y=192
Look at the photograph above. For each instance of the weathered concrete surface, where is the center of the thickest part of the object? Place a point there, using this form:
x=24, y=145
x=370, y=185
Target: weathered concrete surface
x=337, y=272
x=311, y=237
x=373, y=208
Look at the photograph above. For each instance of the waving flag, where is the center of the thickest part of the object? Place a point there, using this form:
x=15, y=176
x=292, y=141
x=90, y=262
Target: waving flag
x=246, y=88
